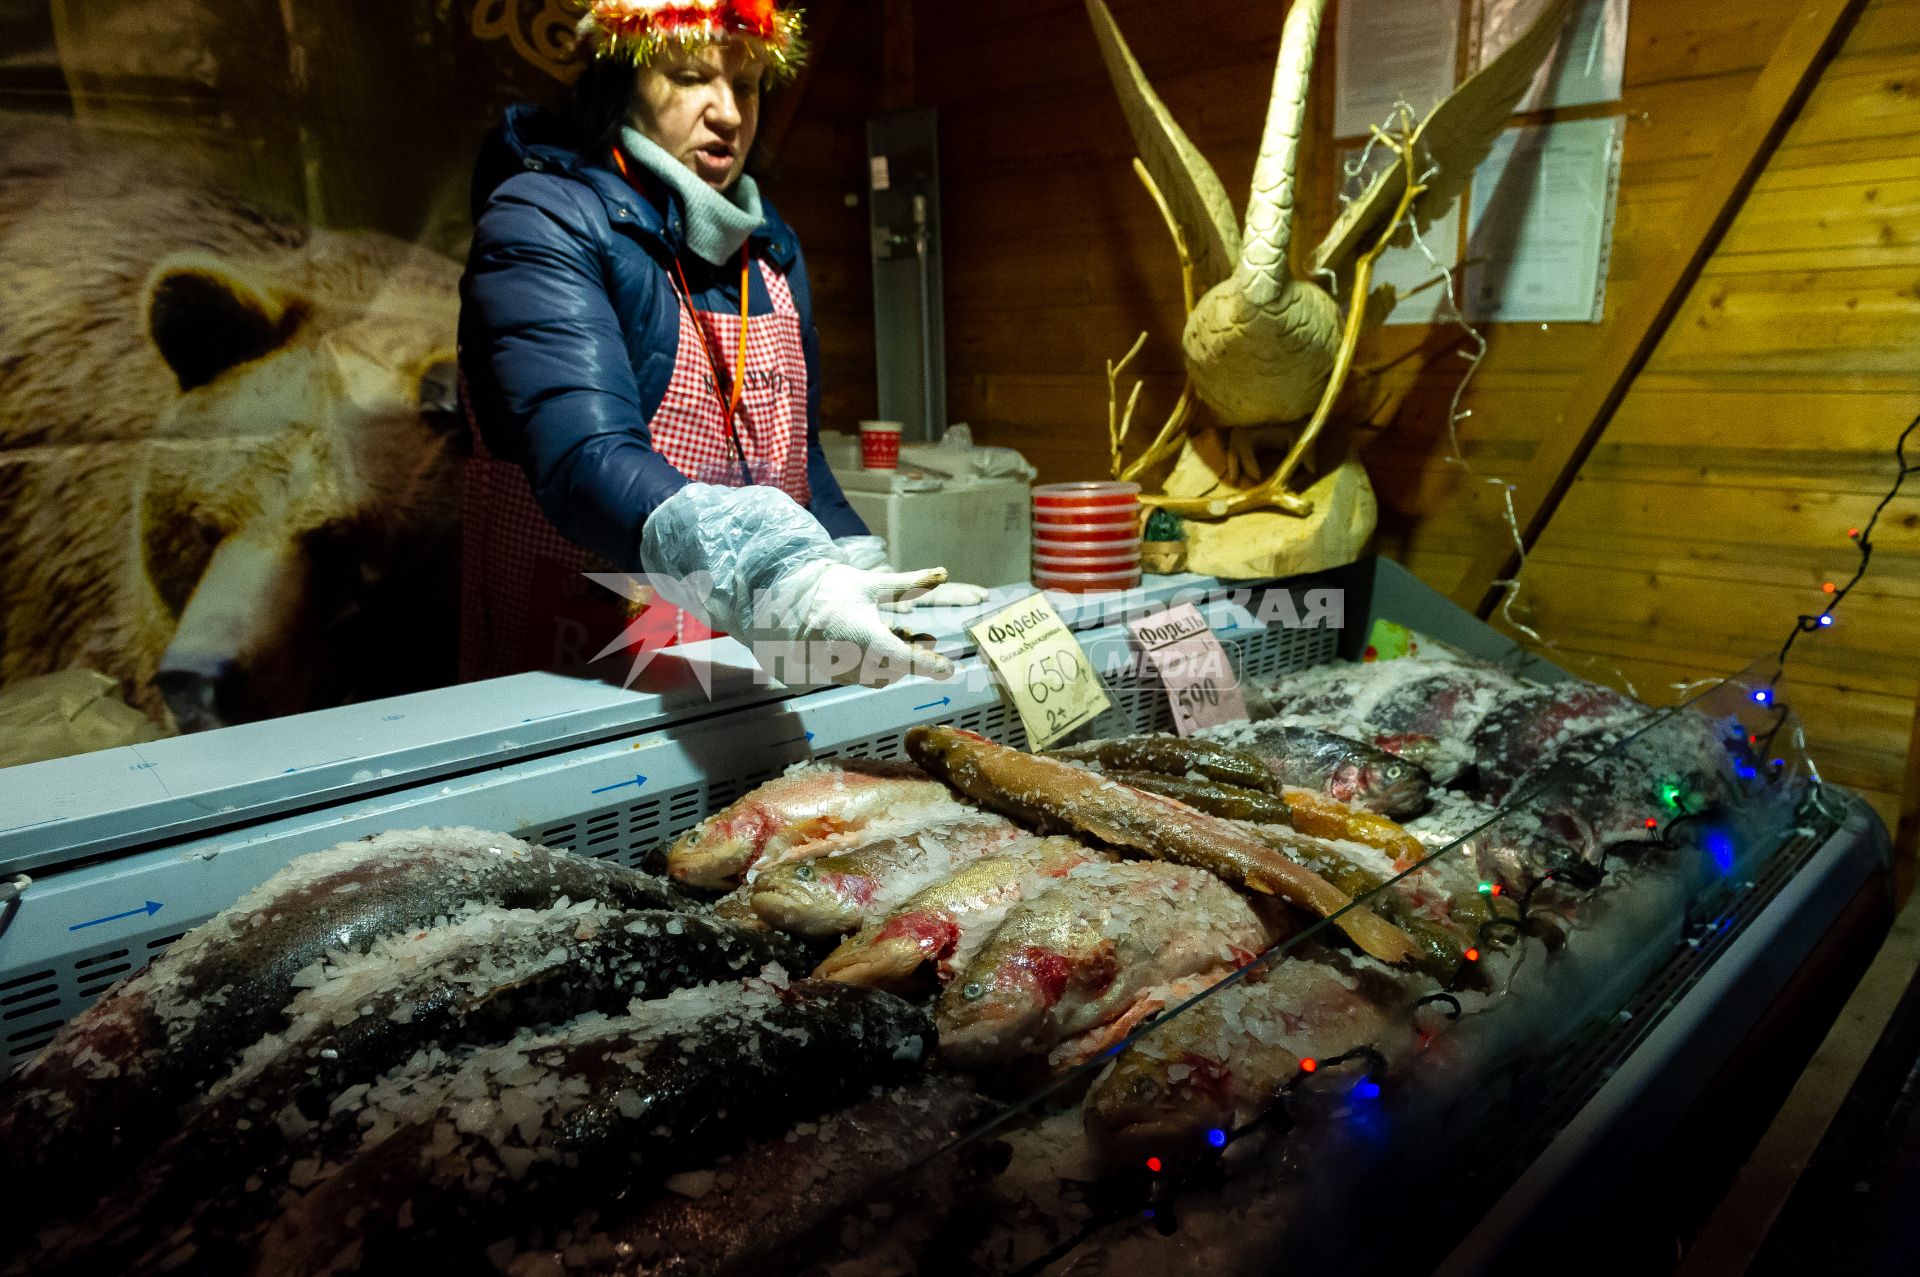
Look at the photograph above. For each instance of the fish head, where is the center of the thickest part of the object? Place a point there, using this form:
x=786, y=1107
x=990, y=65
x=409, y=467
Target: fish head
x=992, y=1010
x=718, y=851
x=817, y=897
x=1394, y=786
x=890, y=955
x=1165, y=1105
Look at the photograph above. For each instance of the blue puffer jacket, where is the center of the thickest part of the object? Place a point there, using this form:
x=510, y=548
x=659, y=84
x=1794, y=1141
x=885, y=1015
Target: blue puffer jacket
x=569, y=327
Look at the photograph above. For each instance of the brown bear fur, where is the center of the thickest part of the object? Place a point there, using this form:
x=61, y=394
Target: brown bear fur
x=182, y=370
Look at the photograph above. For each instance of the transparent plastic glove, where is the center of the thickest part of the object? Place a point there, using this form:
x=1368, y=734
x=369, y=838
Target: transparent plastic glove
x=868, y=552
x=752, y=563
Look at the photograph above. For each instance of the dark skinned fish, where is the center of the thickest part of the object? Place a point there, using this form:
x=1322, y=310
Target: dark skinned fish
x=1229, y=801
x=105, y=1089
x=604, y=1106
x=1173, y=756
x=805, y=1200
x=1339, y=767
x=470, y=983
x=1057, y=796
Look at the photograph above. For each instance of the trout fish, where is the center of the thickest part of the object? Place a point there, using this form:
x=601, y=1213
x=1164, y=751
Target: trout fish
x=1057, y=796
x=836, y=893
x=1222, y=1062
x=1173, y=756
x=1337, y=767
x=813, y=809
x=105, y=1090
x=938, y=927
x=519, y=1128
x=1078, y=955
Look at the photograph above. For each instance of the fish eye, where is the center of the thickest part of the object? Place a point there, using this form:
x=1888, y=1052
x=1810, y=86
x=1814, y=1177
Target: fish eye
x=974, y=992
x=1396, y=770
x=804, y=873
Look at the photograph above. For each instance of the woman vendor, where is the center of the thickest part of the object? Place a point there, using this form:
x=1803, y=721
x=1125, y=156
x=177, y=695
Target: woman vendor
x=637, y=341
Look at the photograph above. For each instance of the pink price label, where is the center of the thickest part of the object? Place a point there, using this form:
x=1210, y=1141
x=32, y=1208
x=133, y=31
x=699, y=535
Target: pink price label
x=1200, y=680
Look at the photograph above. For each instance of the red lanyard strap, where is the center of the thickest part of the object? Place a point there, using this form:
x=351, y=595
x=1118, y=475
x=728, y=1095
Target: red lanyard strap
x=685, y=293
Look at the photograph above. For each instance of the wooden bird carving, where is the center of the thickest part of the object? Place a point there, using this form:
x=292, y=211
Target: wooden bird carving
x=1263, y=345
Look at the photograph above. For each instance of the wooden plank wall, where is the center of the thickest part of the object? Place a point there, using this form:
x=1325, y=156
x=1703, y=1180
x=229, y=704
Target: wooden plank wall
x=1719, y=498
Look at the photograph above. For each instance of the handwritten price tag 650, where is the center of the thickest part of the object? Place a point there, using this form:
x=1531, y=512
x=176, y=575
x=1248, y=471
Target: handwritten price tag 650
x=1043, y=668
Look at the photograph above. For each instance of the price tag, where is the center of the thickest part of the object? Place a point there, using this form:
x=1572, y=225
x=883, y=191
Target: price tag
x=1043, y=668
x=1199, y=678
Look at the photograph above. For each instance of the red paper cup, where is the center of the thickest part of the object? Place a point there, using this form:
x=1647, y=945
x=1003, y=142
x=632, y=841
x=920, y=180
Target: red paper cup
x=1077, y=495
x=880, y=445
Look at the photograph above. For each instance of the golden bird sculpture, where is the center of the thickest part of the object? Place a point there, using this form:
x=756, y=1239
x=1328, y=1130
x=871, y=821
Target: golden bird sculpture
x=1266, y=346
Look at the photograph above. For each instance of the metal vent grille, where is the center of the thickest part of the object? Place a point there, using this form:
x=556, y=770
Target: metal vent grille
x=34, y=1006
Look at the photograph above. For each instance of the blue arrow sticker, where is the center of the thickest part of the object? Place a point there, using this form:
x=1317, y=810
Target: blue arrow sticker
x=150, y=908
x=637, y=781
x=944, y=700
x=806, y=739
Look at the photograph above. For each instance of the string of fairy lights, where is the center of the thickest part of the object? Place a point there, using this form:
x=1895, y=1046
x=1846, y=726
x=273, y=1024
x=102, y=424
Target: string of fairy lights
x=1836, y=594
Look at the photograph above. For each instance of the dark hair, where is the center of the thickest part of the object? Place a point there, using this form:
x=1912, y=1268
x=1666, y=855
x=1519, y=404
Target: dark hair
x=602, y=100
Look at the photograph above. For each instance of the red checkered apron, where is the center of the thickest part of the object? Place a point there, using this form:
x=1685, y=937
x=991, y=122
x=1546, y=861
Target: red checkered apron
x=524, y=601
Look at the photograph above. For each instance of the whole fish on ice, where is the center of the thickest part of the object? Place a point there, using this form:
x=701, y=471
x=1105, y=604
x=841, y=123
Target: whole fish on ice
x=834, y=894
x=1338, y=767
x=104, y=1091
x=518, y=1129
x=938, y=928
x=1056, y=796
x=471, y=982
x=813, y=809
x=1078, y=954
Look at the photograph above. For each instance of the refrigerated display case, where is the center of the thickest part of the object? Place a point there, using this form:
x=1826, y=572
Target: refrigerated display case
x=1493, y=1127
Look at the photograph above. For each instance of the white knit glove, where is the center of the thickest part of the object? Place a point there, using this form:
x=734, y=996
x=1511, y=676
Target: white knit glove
x=754, y=564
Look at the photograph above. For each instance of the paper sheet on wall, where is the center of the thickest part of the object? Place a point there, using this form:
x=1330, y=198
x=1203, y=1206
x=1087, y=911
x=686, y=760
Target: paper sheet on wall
x=1392, y=51
x=1419, y=281
x=1541, y=225
x=1589, y=63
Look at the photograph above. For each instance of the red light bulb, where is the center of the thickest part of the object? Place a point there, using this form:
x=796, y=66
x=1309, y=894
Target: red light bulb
x=1309, y=1064
x=1153, y=1164
x=1473, y=955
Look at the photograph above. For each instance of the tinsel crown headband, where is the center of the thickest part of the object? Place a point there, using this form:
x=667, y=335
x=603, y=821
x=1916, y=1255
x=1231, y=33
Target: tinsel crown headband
x=641, y=30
